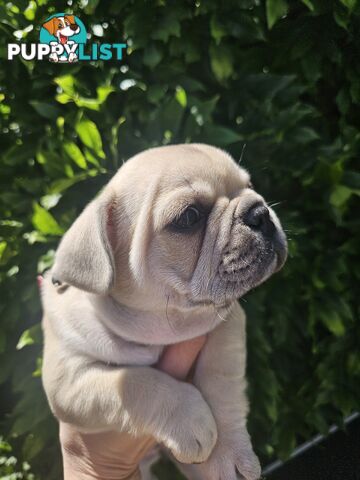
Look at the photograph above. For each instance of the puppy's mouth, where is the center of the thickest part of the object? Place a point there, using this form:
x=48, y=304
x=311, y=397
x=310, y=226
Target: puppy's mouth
x=240, y=271
x=62, y=38
x=247, y=266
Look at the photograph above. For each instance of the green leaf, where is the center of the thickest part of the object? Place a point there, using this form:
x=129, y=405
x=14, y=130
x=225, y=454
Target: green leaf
x=168, y=26
x=29, y=418
x=342, y=18
x=156, y=92
x=340, y=195
x=309, y=4
x=333, y=322
x=17, y=154
x=350, y=4
x=90, y=136
x=75, y=154
x=50, y=201
x=24, y=340
x=30, y=11
x=218, y=31
x=204, y=108
x=34, y=237
x=220, y=135
x=46, y=261
x=66, y=83
x=63, y=184
x=44, y=222
x=181, y=96
x=103, y=92
x=90, y=103
x=152, y=56
x=4, y=446
x=305, y=135
x=29, y=337
x=64, y=98
x=3, y=246
x=287, y=442
x=33, y=445
x=94, y=103
x=90, y=158
x=343, y=101
x=221, y=60
x=275, y=9
x=91, y=6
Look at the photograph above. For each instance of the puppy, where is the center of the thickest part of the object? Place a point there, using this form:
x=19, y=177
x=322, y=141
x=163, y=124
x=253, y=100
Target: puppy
x=161, y=256
x=62, y=28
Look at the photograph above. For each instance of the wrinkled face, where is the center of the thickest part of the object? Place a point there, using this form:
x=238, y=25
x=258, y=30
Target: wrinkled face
x=214, y=238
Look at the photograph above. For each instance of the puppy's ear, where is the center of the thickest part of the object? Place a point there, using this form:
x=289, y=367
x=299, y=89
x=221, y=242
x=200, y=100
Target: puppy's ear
x=71, y=19
x=85, y=255
x=50, y=25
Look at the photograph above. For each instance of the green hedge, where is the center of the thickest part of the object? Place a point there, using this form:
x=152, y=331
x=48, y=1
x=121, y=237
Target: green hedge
x=282, y=78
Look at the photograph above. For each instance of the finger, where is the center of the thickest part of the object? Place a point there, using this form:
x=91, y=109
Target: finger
x=39, y=280
x=178, y=359
x=108, y=454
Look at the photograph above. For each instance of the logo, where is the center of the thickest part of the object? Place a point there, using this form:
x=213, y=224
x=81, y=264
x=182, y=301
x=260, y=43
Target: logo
x=64, y=34
x=63, y=39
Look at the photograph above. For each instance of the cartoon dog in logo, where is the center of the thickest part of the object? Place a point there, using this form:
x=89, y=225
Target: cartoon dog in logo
x=62, y=28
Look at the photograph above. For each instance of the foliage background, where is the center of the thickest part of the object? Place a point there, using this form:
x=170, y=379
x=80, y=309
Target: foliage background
x=281, y=77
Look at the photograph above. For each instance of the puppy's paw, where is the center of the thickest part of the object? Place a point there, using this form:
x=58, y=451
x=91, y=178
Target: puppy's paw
x=232, y=459
x=190, y=432
x=72, y=57
x=247, y=466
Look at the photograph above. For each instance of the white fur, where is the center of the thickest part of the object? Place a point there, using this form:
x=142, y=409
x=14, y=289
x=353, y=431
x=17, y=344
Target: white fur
x=128, y=285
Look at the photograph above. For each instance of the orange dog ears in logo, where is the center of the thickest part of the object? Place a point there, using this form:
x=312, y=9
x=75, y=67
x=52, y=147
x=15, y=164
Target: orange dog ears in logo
x=54, y=24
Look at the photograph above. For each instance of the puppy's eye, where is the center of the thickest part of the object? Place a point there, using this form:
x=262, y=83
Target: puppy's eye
x=60, y=25
x=189, y=218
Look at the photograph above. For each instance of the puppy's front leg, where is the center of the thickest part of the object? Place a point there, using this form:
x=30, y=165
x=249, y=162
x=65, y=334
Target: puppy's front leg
x=141, y=400
x=220, y=376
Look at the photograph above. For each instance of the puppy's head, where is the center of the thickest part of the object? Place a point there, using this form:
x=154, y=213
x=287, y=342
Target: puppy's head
x=62, y=27
x=180, y=222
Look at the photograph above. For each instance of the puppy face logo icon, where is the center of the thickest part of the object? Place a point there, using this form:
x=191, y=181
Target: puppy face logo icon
x=62, y=27
x=63, y=33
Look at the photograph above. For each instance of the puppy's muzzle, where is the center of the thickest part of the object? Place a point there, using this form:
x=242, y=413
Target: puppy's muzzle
x=258, y=218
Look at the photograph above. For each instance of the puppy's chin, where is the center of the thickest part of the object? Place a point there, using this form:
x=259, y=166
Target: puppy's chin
x=248, y=265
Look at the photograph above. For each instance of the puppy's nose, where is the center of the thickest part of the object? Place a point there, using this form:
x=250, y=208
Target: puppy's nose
x=74, y=27
x=258, y=218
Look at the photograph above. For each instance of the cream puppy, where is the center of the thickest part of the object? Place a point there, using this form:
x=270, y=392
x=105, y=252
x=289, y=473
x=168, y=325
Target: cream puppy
x=161, y=256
